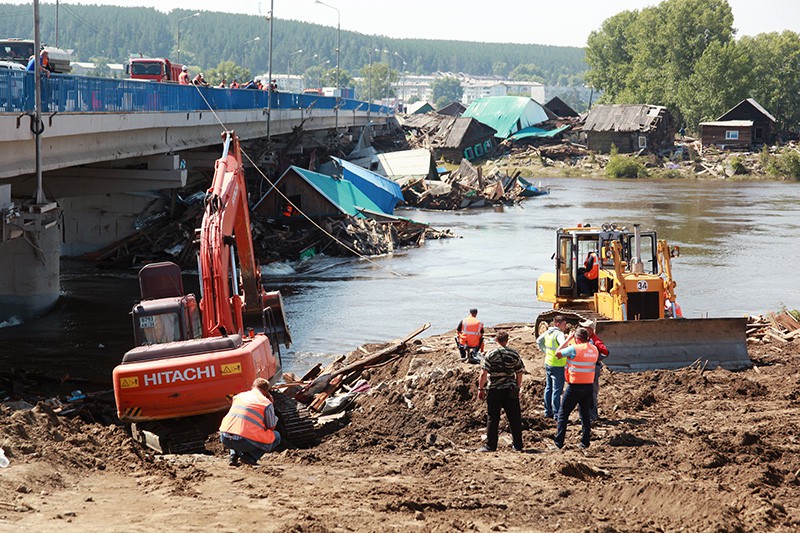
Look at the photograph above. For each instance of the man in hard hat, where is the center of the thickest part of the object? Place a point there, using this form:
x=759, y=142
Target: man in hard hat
x=470, y=337
x=183, y=77
x=248, y=429
x=581, y=361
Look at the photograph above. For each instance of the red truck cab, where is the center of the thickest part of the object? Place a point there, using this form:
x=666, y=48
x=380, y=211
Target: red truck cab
x=153, y=68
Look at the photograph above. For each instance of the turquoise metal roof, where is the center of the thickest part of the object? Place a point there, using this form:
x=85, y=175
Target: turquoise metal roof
x=533, y=131
x=341, y=193
x=383, y=192
x=504, y=112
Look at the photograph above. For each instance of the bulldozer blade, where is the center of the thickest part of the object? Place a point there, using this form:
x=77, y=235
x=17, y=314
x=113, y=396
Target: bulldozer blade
x=639, y=345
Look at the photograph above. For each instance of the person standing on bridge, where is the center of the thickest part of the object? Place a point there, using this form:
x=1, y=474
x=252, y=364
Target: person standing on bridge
x=183, y=77
x=44, y=63
x=581, y=361
x=248, y=430
x=550, y=341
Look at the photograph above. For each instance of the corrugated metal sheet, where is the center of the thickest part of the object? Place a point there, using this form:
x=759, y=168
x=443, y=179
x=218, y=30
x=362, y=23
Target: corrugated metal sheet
x=623, y=117
x=730, y=123
x=538, y=132
x=506, y=114
x=408, y=164
x=341, y=193
x=385, y=193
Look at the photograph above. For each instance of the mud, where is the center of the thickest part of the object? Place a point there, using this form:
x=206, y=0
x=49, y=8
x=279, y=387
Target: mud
x=685, y=449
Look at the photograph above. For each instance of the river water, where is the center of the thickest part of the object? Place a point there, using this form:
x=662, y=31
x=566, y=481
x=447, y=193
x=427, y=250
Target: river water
x=739, y=246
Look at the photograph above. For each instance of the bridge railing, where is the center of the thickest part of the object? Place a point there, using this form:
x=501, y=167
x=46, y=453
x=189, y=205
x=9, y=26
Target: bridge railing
x=83, y=94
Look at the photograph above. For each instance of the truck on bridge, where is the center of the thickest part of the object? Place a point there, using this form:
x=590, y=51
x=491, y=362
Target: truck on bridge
x=21, y=50
x=153, y=68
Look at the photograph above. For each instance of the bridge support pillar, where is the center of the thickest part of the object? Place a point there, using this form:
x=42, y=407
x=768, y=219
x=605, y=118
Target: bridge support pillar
x=30, y=249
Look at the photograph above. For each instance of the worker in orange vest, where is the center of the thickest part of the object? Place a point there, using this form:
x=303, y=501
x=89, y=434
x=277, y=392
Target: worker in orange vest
x=587, y=275
x=248, y=430
x=183, y=77
x=579, y=373
x=470, y=338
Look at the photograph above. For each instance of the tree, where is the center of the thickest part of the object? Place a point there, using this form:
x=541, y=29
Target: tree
x=229, y=71
x=319, y=76
x=527, y=72
x=650, y=56
x=445, y=90
x=376, y=81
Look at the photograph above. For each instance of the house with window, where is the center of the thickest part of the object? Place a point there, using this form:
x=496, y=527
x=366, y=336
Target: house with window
x=629, y=127
x=453, y=138
x=746, y=124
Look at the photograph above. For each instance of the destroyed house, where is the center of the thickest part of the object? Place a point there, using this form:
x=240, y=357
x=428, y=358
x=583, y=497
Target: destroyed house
x=629, y=127
x=454, y=138
x=316, y=195
x=744, y=125
x=507, y=114
x=407, y=165
x=560, y=108
x=418, y=108
x=384, y=193
x=453, y=109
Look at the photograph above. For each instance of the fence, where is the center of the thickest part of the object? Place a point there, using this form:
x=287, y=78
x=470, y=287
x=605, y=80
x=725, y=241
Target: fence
x=81, y=94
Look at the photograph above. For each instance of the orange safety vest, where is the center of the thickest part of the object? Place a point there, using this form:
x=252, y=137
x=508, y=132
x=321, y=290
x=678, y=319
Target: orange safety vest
x=183, y=78
x=580, y=369
x=470, y=333
x=595, y=270
x=246, y=417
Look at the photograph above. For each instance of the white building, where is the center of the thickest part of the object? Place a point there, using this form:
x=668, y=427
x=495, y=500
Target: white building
x=474, y=87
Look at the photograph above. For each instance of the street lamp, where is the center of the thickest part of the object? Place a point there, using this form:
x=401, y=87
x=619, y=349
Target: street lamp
x=338, y=50
x=288, y=62
x=179, y=32
x=402, y=78
x=245, y=45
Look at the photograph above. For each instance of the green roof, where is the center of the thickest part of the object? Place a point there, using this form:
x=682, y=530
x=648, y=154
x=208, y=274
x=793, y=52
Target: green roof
x=533, y=131
x=503, y=112
x=341, y=193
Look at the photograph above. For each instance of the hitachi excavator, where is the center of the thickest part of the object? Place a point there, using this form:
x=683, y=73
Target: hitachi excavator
x=631, y=295
x=192, y=357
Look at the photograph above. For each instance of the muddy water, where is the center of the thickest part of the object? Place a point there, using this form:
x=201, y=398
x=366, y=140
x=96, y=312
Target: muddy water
x=739, y=255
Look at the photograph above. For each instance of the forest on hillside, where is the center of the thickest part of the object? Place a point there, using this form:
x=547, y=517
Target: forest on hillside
x=112, y=34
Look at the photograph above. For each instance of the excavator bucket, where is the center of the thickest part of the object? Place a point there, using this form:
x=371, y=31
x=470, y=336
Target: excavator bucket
x=640, y=345
x=275, y=318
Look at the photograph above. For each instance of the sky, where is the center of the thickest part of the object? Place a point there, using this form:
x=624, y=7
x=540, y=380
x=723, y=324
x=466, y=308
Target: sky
x=566, y=23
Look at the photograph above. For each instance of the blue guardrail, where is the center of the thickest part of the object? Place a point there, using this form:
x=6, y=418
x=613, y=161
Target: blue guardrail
x=81, y=94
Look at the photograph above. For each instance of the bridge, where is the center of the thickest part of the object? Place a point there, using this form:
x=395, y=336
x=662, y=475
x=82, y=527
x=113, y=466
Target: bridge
x=106, y=142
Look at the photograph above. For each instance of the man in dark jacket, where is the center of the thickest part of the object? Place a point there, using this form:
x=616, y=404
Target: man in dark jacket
x=502, y=369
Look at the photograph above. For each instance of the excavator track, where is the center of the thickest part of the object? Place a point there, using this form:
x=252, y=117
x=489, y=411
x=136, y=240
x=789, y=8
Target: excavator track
x=177, y=436
x=296, y=424
x=544, y=320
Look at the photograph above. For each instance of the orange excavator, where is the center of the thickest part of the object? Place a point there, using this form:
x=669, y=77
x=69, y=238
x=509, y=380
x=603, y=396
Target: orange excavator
x=191, y=358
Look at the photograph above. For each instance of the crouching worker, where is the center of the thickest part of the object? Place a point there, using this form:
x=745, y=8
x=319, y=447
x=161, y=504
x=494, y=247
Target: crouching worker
x=248, y=429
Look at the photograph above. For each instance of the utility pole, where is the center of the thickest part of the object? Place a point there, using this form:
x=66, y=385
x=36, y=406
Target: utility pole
x=270, y=17
x=38, y=125
x=338, y=50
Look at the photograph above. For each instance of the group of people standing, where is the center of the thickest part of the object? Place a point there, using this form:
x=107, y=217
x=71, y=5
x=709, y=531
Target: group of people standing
x=572, y=371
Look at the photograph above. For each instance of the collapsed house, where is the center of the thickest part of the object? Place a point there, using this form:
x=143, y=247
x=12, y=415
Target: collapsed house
x=560, y=108
x=418, y=108
x=629, y=127
x=453, y=109
x=451, y=138
x=744, y=125
x=507, y=114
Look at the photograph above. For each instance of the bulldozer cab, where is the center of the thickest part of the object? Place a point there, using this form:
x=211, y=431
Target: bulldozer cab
x=575, y=244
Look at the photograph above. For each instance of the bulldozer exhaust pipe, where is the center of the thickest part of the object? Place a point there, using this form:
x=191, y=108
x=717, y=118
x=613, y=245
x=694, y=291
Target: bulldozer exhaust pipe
x=637, y=267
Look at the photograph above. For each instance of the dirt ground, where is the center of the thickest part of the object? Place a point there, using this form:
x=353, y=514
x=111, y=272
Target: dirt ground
x=674, y=450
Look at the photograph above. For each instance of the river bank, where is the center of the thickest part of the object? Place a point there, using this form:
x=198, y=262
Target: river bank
x=700, y=450
x=689, y=160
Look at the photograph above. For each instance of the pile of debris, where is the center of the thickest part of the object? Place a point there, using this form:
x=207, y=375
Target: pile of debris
x=317, y=387
x=782, y=328
x=467, y=187
x=340, y=236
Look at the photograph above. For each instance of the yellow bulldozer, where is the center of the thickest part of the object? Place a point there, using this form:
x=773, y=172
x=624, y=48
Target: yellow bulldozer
x=631, y=294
